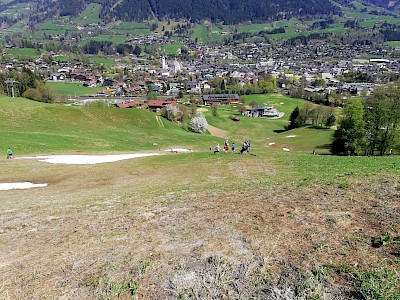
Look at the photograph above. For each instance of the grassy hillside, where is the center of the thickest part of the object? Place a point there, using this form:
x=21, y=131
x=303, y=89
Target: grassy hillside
x=181, y=226
x=32, y=127
x=167, y=227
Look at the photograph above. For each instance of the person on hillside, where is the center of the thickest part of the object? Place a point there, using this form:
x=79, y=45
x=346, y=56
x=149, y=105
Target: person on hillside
x=244, y=148
x=9, y=153
x=217, y=148
x=233, y=147
x=226, y=148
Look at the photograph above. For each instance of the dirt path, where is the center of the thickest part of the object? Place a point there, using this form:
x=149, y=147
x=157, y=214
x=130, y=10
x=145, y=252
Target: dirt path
x=217, y=132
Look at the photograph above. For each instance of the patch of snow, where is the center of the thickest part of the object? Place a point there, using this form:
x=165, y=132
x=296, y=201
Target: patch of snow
x=282, y=103
x=271, y=144
x=88, y=159
x=290, y=136
x=178, y=150
x=20, y=185
x=285, y=149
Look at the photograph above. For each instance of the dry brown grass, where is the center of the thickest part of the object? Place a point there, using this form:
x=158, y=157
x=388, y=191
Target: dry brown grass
x=229, y=231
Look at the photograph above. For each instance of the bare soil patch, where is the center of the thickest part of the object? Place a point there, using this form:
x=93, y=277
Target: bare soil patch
x=217, y=132
x=149, y=227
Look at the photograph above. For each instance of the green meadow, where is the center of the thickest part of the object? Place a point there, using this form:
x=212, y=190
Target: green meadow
x=33, y=127
x=25, y=52
x=101, y=60
x=113, y=38
x=171, y=48
x=71, y=89
x=200, y=33
x=134, y=28
x=90, y=15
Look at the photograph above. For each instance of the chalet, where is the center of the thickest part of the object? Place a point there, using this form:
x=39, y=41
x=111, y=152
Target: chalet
x=108, y=82
x=220, y=99
x=158, y=104
x=262, y=111
x=126, y=104
x=57, y=77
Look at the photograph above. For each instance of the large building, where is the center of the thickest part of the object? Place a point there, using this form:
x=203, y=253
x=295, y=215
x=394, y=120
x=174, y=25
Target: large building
x=220, y=99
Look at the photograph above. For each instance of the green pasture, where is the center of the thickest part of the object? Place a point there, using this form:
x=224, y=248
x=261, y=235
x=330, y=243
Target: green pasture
x=25, y=52
x=55, y=27
x=216, y=33
x=254, y=27
x=61, y=58
x=73, y=89
x=90, y=15
x=16, y=10
x=33, y=127
x=39, y=127
x=171, y=48
x=201, y=33
x=134, y=28
x=393, y=43
x=270, y=133
x=18, y=27
x=101, y=60
x=113, y=38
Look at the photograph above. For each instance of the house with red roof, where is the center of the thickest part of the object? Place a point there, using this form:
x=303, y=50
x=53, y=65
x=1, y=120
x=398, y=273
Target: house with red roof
x=158, y=104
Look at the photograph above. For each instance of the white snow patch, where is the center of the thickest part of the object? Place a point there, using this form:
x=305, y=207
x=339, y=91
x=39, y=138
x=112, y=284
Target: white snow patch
x=20, y=185
x=179, y=150
x=282, y=103
x=271, y=144
x=88, y=159
x=290, y=136
x=285, y=149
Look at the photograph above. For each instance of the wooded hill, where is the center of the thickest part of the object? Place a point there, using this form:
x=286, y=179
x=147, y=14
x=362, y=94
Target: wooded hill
x=227, y=11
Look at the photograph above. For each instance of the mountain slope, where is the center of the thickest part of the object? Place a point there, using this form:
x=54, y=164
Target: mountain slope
x=227, y=11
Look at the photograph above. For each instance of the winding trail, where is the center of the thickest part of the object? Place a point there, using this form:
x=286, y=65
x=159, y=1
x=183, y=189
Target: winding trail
x=217, y=131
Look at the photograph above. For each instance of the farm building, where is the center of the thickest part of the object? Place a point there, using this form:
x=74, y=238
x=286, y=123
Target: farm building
x=158, y=104
x=220, y=99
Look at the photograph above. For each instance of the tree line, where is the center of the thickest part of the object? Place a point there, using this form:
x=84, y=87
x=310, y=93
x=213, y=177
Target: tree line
x=26, y=84
x=369, y=126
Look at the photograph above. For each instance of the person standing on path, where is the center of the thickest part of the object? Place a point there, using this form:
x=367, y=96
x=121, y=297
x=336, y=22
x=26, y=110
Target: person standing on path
x=9, y=153
x=233, y=147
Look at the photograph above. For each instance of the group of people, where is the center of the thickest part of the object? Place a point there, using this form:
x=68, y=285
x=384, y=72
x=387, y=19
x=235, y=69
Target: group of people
x=245, y=147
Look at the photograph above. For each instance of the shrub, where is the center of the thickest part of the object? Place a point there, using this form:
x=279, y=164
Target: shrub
x=199, y=123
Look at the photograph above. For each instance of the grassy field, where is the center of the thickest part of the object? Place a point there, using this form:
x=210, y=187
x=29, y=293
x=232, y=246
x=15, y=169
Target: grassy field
x=181, y=226
x=90, y=15
x=171, y=48
x=134, y=28
x=114, y=38
x=25, y=52
x=201, y=33
x=103, y=61
x=73, y=89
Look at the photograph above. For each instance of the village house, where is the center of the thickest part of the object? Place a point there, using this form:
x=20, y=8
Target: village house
x=262, y=111
x=220, y=99
x=126, y=103
x=158, y=104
